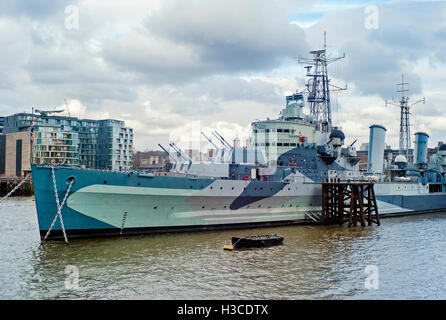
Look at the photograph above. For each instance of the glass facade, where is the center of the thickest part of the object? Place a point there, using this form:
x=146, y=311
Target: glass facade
x=99, y=144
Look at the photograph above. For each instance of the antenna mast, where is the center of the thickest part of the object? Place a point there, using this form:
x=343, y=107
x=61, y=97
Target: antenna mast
x=405, y=147
x=318, y=86
x=68, y=110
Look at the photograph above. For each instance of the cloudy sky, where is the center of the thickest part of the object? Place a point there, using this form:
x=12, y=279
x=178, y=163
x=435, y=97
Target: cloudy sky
x=166, y=66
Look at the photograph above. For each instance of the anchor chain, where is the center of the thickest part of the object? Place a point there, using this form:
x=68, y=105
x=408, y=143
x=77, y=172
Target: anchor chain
x=59, y=207
x=15, y=188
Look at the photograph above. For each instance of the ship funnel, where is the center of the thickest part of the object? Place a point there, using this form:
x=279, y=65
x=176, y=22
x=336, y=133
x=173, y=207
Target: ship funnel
x=421, y=140
x=376, y=149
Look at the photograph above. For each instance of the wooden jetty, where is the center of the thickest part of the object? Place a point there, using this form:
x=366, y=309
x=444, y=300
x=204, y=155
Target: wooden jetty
x=349, y=201
x=7, y=184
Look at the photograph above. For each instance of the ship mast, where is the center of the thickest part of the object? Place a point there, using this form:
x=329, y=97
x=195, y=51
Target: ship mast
x=318, y=86
x=405, y=145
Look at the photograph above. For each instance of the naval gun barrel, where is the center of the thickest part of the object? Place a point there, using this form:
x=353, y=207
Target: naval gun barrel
x=168, y=153
x=178, y=150
x=222, y=140
x=210, y=141
x=218, y=138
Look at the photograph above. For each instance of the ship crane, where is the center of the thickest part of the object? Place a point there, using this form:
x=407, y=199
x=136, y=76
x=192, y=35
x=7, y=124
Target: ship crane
x=45, y=113
x=405, y=143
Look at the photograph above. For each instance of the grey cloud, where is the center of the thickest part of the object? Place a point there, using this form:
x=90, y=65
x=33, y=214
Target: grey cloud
x=375, y=70
x=206, y=96
x=232, y=88
x=407, y=32
x=188, y=40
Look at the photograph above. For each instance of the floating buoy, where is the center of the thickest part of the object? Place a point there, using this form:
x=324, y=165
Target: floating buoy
x=228, y=247
x=257, y=241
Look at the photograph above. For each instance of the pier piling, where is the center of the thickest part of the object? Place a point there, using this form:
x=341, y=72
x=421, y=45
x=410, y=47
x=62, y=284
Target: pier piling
x=7, y=184
x=352, y=202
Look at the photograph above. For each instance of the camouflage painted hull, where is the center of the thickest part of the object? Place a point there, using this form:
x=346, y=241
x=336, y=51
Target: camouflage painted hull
x=103, y=203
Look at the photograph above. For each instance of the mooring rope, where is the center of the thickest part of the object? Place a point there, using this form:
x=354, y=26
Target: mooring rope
x=59, y=208
x=15, y=188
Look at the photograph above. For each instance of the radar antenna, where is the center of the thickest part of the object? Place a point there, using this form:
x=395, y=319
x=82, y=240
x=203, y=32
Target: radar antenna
x=318, y=86
x=405, y=147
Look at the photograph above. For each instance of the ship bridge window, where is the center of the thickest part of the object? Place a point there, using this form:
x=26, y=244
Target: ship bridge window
x=279, y=130
x=286, y=144
x=293, y=144
x=279, y=144
x=286, y=130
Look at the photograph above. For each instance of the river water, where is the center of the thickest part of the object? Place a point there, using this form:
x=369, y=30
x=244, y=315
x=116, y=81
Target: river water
x=404, y=258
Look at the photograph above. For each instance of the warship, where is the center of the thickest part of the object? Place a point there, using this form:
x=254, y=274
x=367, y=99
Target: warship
x=277, y=180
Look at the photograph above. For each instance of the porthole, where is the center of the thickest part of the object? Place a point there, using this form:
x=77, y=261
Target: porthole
x=105, y=181
x=154, y=208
